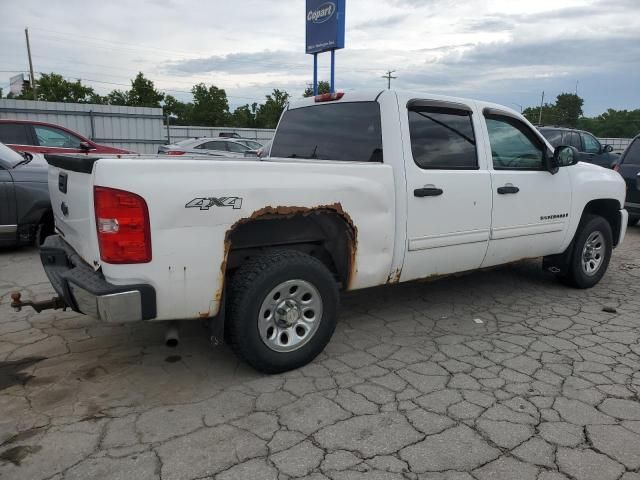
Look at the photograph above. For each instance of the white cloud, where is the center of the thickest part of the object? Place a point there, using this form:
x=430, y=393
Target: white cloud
x=500, y=50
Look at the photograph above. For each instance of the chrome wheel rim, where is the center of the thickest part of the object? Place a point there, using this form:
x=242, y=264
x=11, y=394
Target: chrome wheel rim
x=290, y=315
x=593, y=253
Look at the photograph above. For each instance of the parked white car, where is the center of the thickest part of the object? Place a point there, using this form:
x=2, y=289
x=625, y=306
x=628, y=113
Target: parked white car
x=360, y=190
x=221, y=146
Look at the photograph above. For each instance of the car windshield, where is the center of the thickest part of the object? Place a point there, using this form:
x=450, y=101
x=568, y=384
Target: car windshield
x=8, y=157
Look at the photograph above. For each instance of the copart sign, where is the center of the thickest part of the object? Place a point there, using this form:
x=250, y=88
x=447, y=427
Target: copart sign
x=325, y=25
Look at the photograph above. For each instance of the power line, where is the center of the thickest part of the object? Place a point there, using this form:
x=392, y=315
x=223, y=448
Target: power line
x=389, y=78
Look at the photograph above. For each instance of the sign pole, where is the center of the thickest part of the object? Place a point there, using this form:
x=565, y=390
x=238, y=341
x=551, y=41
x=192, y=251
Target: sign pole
x=315, y=74
x=333, y=70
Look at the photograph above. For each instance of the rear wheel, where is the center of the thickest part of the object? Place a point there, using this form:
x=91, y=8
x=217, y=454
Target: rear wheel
x=282, y=310
x=591, y=253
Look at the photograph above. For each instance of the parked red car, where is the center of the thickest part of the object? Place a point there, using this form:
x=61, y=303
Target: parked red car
x=41, y=137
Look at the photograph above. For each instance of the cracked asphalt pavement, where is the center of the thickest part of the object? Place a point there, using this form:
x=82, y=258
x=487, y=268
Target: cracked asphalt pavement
x=500, y=374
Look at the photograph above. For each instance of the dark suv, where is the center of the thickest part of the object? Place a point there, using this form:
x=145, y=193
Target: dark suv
x=629, y=167
x=590, y=148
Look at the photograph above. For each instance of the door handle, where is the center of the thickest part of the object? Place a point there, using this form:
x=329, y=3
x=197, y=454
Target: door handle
x=427, y=192
x=508, y=189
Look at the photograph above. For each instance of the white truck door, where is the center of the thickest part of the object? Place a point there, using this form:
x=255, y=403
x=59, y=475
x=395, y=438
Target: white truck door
x=531, y=207
x=448, y=188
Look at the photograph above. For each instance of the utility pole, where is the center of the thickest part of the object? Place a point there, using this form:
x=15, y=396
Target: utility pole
x=389, y=78
x=576, y=88
x=32, y=79
x=541, y=104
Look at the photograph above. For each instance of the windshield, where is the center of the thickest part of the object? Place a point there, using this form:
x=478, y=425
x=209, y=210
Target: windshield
x=8, y=157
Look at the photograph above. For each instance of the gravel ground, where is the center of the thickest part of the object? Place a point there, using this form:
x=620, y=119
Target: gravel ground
x=502, y=374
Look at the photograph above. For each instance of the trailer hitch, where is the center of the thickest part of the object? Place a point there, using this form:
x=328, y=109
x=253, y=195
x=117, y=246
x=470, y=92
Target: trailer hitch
x=55, y=303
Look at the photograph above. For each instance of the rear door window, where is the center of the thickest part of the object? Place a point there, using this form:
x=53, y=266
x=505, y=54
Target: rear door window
x=334, y=131
x=573, y=139
x=442, y=138
x=236, y=147
x=15, y=134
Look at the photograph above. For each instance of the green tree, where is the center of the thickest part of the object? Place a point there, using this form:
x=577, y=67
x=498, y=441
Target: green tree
x=245, y=116
x=565, y=112
x=52, y=87
x=143, y=93
x=210, y=106
x=179, y=112
x=269, y=113
x=613, y=124
x=323, y=87
x=569, y=109
x=117, y=97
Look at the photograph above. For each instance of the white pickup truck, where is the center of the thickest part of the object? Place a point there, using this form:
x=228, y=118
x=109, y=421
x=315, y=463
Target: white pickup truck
x=359, y=190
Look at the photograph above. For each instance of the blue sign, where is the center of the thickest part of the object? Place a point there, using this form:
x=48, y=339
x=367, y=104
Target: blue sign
x=325, y=25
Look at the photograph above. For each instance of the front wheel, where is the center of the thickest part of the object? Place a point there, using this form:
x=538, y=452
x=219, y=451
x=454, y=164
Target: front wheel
x=282, y=310
x=591, y=253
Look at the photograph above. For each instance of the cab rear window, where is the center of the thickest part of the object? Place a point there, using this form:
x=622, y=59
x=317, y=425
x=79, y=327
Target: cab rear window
x=341, y=131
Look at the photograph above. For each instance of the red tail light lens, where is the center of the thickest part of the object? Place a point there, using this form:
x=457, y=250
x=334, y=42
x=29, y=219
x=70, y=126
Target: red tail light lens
x=122, y=221
x=175, y=152
x=329, y=97
x=616, y=167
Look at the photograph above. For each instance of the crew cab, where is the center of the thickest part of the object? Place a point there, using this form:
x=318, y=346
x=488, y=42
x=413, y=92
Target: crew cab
x=359, y=190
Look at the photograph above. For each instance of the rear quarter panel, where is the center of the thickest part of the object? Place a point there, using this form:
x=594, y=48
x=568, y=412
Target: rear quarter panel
x=188, y=244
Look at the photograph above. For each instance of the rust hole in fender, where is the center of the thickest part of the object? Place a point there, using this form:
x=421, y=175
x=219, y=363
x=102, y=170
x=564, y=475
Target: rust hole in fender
x=288, y=212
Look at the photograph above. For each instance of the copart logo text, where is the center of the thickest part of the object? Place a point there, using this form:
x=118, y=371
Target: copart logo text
x=321, y=14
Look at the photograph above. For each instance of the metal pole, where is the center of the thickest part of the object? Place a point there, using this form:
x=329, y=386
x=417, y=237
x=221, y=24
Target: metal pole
x=540, y=113
x=333, y=71
x=93, y=125
x=32, y=80
x=168, y=129
x=315, y=74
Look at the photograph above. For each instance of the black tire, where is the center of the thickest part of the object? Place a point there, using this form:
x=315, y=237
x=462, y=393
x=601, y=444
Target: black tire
x=576, y=275
x=633, y=220
x=251, y=284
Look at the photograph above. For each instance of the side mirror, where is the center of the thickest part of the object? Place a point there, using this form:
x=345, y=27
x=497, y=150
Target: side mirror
x=86, y=146
x=565, y=156
x=607, y=149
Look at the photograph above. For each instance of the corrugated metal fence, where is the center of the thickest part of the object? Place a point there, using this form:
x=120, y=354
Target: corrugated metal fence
x=138, y=129
x=618, y=144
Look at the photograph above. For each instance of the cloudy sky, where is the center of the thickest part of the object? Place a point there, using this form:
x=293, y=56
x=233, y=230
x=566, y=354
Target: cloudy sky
x=506, y=51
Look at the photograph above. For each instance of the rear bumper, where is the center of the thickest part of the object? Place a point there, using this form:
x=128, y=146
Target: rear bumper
x=86, y=291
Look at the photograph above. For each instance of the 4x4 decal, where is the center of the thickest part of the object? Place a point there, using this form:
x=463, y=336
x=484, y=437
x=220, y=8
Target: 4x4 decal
x=205, y=203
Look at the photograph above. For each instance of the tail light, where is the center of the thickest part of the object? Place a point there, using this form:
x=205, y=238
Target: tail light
x=616, y=167
x=175, y=152
x=329, y=97
x=122, y=221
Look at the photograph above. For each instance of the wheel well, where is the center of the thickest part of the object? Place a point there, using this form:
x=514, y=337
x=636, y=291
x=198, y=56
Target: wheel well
x=608, y=209
x=322, y=233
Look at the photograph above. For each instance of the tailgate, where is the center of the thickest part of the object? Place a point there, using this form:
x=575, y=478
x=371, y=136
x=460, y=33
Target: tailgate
x=71, y=192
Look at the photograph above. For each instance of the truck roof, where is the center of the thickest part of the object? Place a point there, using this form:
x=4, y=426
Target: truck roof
x=403, y=95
